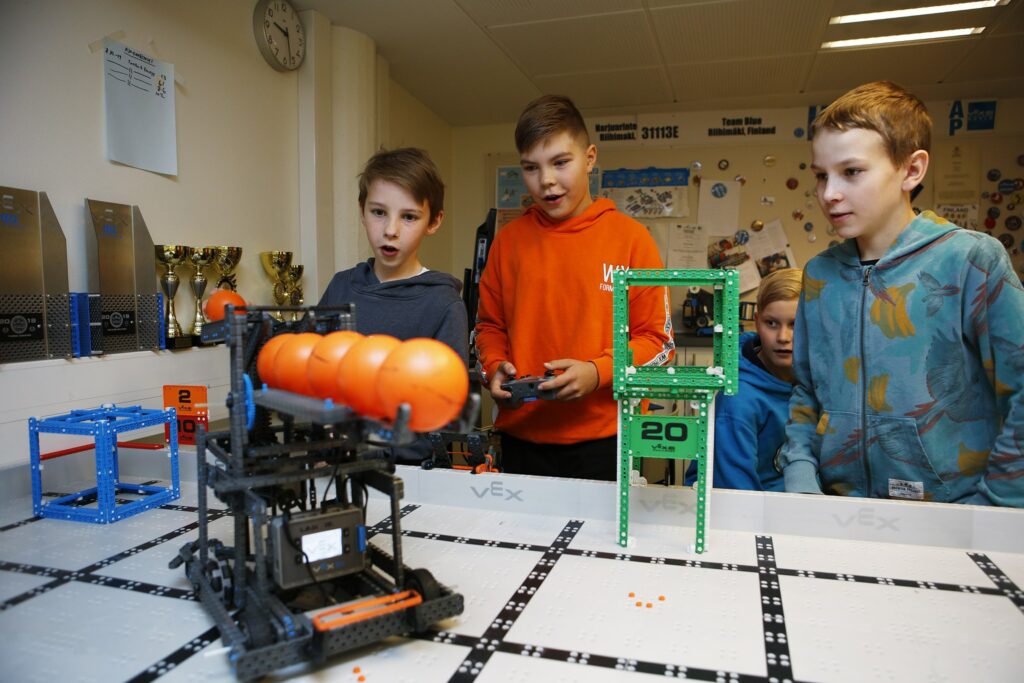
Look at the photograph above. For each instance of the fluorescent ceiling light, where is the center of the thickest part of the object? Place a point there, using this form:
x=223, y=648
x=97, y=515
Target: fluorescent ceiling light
x=915, y=11
x=902, y=38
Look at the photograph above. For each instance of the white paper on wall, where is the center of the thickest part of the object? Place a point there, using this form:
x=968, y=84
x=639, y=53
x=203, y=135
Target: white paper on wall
x=719, y=208
x=139, y=99
x=687, y=247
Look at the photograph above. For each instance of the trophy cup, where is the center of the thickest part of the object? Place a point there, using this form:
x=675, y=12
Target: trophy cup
x=276, y=264
x=294, y=287
x=171, y=256
x=200, y=258
x=225, y=261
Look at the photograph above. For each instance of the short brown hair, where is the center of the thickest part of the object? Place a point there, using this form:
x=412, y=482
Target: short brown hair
x=546, y=116
x=411, y=169
x=779, y=285
x=899, y=116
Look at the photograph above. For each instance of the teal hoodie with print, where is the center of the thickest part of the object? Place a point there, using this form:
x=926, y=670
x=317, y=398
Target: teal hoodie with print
x=910, y=372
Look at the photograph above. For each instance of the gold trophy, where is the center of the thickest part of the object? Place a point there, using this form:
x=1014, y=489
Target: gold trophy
x=171, y=256
x=294, y=287
x=225, y=261
x=276, y=264
x=201, y=257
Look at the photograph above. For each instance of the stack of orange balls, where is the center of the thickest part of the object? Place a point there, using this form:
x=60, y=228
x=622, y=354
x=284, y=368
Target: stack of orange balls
x=372, y=374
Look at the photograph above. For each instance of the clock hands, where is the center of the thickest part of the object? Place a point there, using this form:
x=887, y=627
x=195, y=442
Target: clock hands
x=282, y=29
x=287, y=37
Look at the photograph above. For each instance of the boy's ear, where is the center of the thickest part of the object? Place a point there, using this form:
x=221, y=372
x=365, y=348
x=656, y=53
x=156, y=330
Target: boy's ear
x=916, y=168
x=591, y=155
x=436, y=225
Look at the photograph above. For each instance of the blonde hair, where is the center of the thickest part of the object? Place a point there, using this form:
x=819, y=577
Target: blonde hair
x=899, y=116
x=779, y=285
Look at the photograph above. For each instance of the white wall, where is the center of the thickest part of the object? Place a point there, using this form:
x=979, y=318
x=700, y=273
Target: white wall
x=237, y=182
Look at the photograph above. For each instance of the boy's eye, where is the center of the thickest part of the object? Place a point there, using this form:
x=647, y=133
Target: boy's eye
x=561, y=162
x=409, y=217
x=529, y=168
x=821, y=177
x=853, y=171
x=377, y=212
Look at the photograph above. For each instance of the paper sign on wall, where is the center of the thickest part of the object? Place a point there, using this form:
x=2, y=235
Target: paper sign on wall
x=139, y=98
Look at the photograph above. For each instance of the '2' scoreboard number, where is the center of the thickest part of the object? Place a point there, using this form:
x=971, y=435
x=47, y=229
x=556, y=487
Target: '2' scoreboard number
x=190, y=404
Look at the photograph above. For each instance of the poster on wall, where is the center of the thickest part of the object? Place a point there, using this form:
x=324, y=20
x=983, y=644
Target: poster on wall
x=768, y=248
x=687, y=247
x=728, y=252
x=957, y=173
x=139, y=99
x=719, y=207
x=964, y=215
x=648, y=192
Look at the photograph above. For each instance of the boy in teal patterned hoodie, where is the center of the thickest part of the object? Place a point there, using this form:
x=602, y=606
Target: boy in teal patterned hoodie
x=909, y=340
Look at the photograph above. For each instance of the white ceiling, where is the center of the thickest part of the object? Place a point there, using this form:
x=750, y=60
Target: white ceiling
x=479, y=61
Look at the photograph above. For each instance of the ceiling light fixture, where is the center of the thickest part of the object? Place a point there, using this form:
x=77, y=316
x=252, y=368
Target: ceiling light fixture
x=915, y=11
x=902, y=38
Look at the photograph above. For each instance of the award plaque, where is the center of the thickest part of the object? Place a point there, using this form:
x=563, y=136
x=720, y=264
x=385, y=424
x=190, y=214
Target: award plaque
x=123, y=263
x=35, y=308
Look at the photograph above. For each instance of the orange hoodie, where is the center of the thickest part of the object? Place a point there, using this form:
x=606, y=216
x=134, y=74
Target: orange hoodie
x=546, y=294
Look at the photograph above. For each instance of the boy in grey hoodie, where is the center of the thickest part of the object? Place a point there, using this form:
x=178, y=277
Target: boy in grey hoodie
x=401, y=201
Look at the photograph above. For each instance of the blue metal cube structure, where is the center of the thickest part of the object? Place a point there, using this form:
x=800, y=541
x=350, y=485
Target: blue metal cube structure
x=103, y=424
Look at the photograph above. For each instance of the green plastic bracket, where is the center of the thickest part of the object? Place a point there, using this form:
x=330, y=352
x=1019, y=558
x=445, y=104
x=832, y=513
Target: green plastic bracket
x=676, y=437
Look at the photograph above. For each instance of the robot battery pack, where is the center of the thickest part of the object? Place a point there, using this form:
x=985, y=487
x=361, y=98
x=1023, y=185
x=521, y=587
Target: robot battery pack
x=317, y=545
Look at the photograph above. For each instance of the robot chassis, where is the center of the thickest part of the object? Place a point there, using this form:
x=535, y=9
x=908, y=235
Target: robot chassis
x=301, y=586
x=674, y=437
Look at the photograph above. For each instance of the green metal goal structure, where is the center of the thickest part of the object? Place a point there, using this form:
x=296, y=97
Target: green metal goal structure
x=675, y=437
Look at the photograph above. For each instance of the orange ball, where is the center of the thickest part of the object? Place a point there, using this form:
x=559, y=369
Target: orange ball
x=430, y=377
x=218, y=300
x=265, y=359
x=357, y=373
x=290, y=363
x=322, y=369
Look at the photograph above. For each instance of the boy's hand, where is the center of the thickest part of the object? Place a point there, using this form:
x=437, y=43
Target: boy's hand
x=504, y=372
x=578, y=379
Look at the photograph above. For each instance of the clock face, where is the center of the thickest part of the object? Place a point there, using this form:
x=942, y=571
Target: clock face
x=279, y=33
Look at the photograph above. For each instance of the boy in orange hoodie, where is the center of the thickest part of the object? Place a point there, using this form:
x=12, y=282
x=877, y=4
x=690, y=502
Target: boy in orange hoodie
x=546, y=304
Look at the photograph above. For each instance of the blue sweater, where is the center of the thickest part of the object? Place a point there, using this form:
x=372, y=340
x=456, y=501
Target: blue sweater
x=750, y=427
x=910, y=372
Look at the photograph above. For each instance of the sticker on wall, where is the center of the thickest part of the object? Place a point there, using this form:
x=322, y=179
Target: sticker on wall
x=758, y=226
x=723, y=164
x=1008, y=185
x=769, y=160
x=798, y=132
x=1013, y=223
x=767, y=200
x=811, y=237
x=741, y=179
x=1007, y=240
x=803, y=166
x=798, y=215
x=808, y=226
x=990, y=222
x=719, y=190
x=792, y=183
x=993, y=212
x=995, y=198
x=696, y=167
x=994, y=174
x=741, y=237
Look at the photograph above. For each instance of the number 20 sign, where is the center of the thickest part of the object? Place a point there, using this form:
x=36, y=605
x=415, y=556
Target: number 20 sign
x=190, y=403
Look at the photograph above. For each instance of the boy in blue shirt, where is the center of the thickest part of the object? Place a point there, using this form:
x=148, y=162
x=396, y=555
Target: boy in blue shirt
x=909, y=344
x=750, y=427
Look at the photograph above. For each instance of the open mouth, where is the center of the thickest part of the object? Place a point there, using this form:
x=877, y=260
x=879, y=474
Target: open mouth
x=839, y=217
x=552, y=198
x=388, y=250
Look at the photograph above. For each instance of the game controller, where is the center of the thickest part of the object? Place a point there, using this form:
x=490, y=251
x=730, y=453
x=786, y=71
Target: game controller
x=525, y=389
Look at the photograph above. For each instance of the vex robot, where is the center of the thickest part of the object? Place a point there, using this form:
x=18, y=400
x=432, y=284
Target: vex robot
x=299, y=581
x=677, y=437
